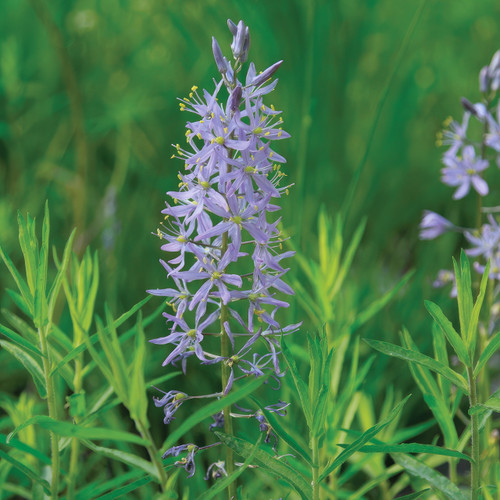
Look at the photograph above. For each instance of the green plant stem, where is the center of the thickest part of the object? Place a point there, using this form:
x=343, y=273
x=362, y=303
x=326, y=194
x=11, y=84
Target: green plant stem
x=75, y=443
x=154, y=454
x=224, y=352
x=315, y=468
x=475, y=443
x=52, y=407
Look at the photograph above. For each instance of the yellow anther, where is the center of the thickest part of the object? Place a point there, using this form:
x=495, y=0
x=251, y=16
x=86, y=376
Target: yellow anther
x=198, y=135
x=194, y=88
x=280, y=132
x=267, y=133
x=272, y=107
x=158, y=232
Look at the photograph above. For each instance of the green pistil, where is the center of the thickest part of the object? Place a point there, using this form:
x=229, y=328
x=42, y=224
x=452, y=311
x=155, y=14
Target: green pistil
x=257, y=130
x=216, y=275
x=236, y=219
x=178, y=396
x=471, y=171
x=250, y=170
x=253, y=296
x=191, y=333
x=181, y=239
x=219, y=140
x=205, y=184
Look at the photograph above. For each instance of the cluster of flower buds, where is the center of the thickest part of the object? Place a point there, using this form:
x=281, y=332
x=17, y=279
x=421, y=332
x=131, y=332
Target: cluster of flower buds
x=465, y=164
x=227, y=265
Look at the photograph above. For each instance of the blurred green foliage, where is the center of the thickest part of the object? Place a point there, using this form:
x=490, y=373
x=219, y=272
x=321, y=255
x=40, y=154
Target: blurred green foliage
x=88, y=113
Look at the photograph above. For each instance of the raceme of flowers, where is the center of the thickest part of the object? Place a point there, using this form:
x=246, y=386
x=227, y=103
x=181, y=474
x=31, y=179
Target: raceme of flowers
x=466, y=162
x=227, y=265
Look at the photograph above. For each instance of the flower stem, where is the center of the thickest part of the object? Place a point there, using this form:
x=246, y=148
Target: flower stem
x=315, y=467
x=224, y=352
x=476, y=465
x=52, y=407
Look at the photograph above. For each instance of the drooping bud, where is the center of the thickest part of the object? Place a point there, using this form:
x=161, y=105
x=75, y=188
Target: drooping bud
x=266, y=74
x=220, y=60
x=478, y=110
x=235, y=99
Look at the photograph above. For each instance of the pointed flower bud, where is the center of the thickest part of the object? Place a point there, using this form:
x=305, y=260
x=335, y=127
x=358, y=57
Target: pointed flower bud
x=241, y=41
x=266, y=74
x=235, y=99
x=220, y=60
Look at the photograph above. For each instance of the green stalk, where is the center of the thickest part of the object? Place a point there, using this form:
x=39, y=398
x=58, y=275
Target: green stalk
x=315, y=468
x=154, y=454
x=52, y=407
x=75, y=443
x=475, y=442
x=225, y=352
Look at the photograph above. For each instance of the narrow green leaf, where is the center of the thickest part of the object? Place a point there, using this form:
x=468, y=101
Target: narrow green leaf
x=453, y=337
x=380, y=303
x=126, y=458
x=222, y=484
x=444, y=419
x=213, y=408
x=21, y=284
x=15, y=337
x=26, y=471
x=464, y=291
x=30, y=364
x=347, y=259
x=128, y=488
x=19, y=445
x=269, y=464
x=95, y=337
x=413, y=448
x=29, y=247
x=419, y=469
x=441, y=355
x=492, y=403
x=417, y=357
x=18, y=299
x=300, y=385
x=282, y=432
x=471, y=334
x=97, y=488
x=414, y=496
x=138, y=403
x=365, y=437
x=490, y=349
x=56, y=284
x=78, y=431
x=41, y=318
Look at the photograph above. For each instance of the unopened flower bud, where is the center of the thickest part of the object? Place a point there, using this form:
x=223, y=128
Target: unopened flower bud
x=483, y=79
x=241, y=41
x=266, y=74
x=220, y=60
x=235, y=99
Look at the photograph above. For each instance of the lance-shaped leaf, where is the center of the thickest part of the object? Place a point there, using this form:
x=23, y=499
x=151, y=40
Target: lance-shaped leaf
x=34, y=369
x=447, y=328
x=300, y=385
x=269, y=464
x=40, y=318
x=422, y=359
x=464, y=290
x=471, y=334
x=26, y=471
x=79, y=431
x=490, y=349
x=21, y=341
x=417, y=468
x=95, y=337
x=363, y=439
